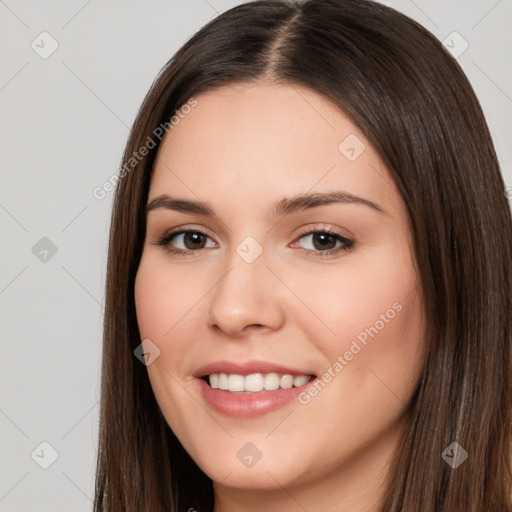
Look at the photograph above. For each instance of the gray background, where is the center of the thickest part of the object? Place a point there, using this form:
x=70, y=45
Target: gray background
x=64, y=122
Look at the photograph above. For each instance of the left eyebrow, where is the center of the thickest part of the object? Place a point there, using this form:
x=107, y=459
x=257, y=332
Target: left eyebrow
x=285, y=206
x=303, y=202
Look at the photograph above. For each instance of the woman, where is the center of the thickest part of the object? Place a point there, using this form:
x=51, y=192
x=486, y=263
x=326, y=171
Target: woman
x=309, y=279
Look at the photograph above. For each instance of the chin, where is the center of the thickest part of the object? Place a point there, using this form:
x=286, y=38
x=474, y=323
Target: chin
x=255, y=464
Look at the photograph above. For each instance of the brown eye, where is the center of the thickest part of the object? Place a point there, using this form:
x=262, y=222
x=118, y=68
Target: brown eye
x=186, y=241
x=323, y=241
x=326, y=242
x=193, y=240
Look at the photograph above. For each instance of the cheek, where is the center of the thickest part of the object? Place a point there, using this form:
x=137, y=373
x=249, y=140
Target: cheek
x=162, y=298
x=164, y=305
x=370, y=327
x=363, y=300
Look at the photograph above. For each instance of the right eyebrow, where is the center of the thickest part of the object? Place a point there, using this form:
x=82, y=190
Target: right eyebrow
x=178, y=204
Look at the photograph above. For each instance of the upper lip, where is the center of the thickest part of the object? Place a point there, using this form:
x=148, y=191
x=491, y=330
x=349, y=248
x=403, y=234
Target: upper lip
x=247, y=368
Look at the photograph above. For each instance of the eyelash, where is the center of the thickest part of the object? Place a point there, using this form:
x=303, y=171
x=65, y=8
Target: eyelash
x=347, y=243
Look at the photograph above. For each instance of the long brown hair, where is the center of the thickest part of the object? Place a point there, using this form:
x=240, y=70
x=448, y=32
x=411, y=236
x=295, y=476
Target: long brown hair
x=415, y=105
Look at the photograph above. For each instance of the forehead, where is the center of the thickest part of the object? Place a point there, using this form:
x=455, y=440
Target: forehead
x=261, y=122
x=267, y=140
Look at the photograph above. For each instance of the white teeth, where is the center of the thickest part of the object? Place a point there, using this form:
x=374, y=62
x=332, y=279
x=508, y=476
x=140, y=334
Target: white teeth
x=253, y=382
x=214, y=380
x=300, y=380
x=236, y=382
x=223, y=381
x=286, y=381
x=271, y=381
x=256, y=381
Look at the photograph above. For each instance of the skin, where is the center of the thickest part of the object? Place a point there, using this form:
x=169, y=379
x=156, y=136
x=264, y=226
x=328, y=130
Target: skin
x=242, y=149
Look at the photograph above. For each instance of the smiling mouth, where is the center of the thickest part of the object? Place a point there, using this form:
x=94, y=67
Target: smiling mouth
x=255, y=382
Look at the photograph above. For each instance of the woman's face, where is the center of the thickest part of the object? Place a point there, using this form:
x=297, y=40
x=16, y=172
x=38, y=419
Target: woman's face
x=269, y=290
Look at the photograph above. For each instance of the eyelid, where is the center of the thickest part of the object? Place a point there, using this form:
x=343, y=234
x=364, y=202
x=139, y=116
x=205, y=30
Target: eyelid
x=348, y=243
x=186, y=228
x=319, y=226
x=165, y=239
x=303, y=230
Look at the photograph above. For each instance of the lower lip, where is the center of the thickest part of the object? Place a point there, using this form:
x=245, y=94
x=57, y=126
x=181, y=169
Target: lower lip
x=249, y=404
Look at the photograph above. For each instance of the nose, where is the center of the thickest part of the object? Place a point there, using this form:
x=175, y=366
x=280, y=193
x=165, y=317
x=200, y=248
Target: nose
x=247, y=297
